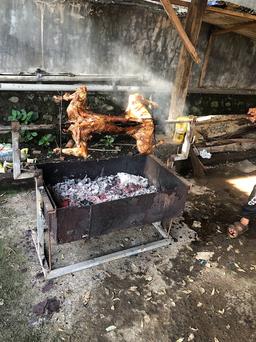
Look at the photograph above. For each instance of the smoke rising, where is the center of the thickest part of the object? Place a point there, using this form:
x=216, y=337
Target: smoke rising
x=157, y=87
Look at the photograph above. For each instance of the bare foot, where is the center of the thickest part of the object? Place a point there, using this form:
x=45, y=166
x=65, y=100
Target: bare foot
x=244, y=221
x=238, y=228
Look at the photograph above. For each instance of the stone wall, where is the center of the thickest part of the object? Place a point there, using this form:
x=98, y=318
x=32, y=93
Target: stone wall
x=210, y=104
x=83, y=38
x=77, y=36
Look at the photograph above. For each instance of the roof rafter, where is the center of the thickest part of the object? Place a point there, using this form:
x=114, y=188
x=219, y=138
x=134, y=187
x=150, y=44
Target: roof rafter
x=181, y=31
x=234, y=28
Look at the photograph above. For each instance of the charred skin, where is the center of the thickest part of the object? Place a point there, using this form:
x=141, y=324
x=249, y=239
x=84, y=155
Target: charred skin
x=252, y=114
x=84, y=123
x=144, y=136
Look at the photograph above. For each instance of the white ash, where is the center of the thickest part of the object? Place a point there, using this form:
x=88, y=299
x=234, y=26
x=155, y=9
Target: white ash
x=84, y=192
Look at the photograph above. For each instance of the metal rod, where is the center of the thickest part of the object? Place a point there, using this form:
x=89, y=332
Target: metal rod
x=15, y=129
x=208, y=120
x=170, y=227
x=110, y=88
x=222, y=91
x=160, y=229
x=69, y=87
x=69, y=78
x=7, y=129
x=72, y=87
x=106, y=258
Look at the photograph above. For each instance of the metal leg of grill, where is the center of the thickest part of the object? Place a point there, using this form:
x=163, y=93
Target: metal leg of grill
x=38, y=234
x=161, y=231
x=55, y=273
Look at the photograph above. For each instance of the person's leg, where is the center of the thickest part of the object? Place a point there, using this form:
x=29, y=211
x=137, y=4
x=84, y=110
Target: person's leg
x=249, y=210
x=248, y=213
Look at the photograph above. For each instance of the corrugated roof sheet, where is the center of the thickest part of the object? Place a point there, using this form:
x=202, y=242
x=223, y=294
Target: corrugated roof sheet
x=247, y=6
x=246, y=3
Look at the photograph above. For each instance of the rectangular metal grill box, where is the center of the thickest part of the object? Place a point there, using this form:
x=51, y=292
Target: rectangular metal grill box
x=74, y=223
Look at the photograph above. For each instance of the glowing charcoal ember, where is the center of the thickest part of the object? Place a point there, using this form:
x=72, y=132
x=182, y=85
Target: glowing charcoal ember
x=83, y=192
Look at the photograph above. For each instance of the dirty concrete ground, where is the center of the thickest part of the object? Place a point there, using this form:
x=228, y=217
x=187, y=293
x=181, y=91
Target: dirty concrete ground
x=171, y=294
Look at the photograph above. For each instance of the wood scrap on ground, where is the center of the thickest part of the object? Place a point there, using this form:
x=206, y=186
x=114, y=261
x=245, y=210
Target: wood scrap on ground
x=246, y=166
x=225, y=135
x=199, y=169
x=236, y=145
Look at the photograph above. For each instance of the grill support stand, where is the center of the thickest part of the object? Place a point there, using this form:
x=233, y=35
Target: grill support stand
x=38, y=233
x=45, y=257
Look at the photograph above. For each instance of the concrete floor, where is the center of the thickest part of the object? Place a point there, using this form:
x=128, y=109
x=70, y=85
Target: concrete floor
x=172, y=294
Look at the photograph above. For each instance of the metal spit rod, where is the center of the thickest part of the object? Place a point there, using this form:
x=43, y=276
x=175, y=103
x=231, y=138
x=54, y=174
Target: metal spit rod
x=71, y=87
x=207, y=120
x=39, y=76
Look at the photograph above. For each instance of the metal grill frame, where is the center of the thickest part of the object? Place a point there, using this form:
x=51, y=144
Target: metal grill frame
x=47, y=218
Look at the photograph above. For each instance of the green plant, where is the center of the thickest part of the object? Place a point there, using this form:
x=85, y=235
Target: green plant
x=28, y=136
x=22, y=116
x=50, y=153
x=46, y=140
x=108, y=141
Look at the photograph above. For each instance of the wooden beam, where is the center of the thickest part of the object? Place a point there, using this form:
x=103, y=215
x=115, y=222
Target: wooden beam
x=182, y=33
x=222, y=91
x=30, y=127
x=240, y=145
x=231, y=13
x=213, y=35
x=174, y=2
x=180, y=88
x=211, y=119
x=235, y=28
x=199, y=171
x=206, y=60
x=181, y=3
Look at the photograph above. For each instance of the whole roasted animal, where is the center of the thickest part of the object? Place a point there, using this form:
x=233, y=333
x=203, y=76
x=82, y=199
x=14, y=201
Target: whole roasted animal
x=252, y=114
x=83, y=122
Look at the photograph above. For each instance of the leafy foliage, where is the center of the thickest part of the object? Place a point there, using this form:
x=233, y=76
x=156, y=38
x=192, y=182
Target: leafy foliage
x=46, y=140
x=28, y=136
x=108, y=141
x=22, y=116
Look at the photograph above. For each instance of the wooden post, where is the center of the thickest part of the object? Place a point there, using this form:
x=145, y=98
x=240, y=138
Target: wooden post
x=206, y=60
x=182, y=33
x=180, y=87
x=16, y=149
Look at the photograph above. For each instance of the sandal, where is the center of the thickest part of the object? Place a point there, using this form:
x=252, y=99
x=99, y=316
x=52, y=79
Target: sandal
x=237, y=229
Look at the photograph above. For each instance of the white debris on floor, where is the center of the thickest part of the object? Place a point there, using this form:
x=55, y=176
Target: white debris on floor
x=204, y=255
x=246, y=166
x=84, y=192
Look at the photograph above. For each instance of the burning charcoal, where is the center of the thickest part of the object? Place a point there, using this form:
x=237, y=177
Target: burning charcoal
x=83, y=192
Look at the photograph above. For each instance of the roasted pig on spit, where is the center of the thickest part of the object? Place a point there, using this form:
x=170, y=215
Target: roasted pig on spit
x=83, y=122
x=252, y=114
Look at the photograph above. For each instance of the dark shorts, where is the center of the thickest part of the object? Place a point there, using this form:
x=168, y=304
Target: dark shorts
x=249, y=210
